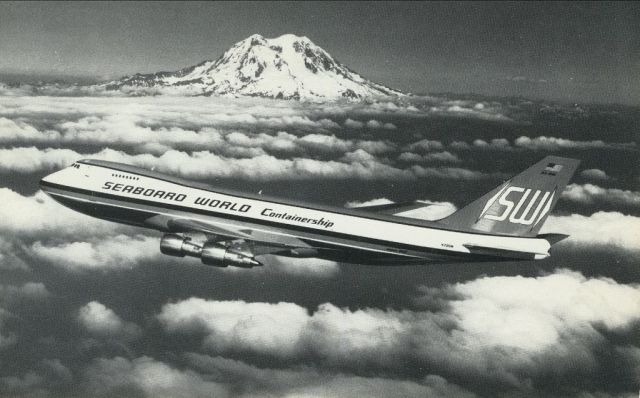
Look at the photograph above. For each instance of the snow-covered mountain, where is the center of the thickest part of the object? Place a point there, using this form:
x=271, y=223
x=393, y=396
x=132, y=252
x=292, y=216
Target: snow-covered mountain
x=287, y=67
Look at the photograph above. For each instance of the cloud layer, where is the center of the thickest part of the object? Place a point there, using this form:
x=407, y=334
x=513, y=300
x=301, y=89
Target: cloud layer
x=591, y=194
x=204, y=164
x=601, y=228
x=92, y=308
x=499, y=327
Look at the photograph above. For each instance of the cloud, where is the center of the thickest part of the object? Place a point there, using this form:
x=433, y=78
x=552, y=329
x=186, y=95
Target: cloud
x=9, y=260
x=238, y=325
x=526, y=79
x=7, y=338
x=121, y=251
x=204, y=164
x=131, y=129
x=456, y=173
x=305, y=381
x=555, y=144
x=507, y=330
x=327, y=143
x=310, y=143
x=30, y=384
x=282, y=141
x=21, y=131
x=39, y=215
x=425, y=145
x=306, y=267
x=186, y=123
x=590, y=194
x=410, y=157
x=376, y=125
x=372, y=124
x=101, y=321
x=147, y=377
x=28, y=290
x=56, y=369
x=533, y=314
x=541, y=143
x=12, y=296
x=440, y=157
x=601, y=228
x=126, y=130
x=15, y=90
x=172, y=111
x=595, y=174
x=359, y=155
x=354, y=124
x=470, y=109
x=51, y=373
x=30, y=159
x=460, y=145
x=496, y=143
x=221, y=377
x=375, y=147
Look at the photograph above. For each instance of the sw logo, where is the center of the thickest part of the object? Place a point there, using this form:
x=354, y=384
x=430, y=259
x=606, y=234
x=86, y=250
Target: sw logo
x=535, y=206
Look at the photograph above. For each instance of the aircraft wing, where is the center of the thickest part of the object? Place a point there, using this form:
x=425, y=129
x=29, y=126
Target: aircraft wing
x=189, y=225
x=260, y=242
x=394, y=208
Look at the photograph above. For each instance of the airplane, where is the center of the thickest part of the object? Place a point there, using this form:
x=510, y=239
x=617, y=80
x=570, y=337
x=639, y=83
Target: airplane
x=224, y=227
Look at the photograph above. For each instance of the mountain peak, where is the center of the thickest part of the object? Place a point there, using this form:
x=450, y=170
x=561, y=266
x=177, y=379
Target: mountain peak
x=254, y=39
x=287, y=67
x=291, y=38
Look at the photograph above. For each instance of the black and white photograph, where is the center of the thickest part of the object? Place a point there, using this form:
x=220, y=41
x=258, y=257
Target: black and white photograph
x=319, y=199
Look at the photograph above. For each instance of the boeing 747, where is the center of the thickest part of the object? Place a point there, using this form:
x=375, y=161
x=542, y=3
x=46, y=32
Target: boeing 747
x=224, y=227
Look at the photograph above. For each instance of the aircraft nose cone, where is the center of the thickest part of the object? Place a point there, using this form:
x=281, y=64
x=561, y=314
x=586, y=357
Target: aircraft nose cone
x=43, y=185
x=46, y=182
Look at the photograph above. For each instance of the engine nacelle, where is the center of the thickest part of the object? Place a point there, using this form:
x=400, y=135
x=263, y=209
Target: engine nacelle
x=221, y=256
x=211, y=253
x=179, y=246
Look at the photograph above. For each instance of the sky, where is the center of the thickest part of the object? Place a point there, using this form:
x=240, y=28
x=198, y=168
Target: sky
x=568, y=51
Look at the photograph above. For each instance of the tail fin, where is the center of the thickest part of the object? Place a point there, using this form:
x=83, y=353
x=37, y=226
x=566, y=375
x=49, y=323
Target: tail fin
x=519, y=206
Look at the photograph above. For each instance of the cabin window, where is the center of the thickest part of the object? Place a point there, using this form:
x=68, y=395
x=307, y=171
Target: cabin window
x=124, y=176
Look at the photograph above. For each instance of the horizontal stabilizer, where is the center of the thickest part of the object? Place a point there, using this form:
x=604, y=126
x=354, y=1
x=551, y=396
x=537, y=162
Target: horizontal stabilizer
x=553, y=238
x=508, y=254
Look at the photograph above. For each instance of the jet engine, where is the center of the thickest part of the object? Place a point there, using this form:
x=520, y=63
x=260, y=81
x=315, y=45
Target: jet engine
x=210, y=253
x=179, y=246
x=221, y=256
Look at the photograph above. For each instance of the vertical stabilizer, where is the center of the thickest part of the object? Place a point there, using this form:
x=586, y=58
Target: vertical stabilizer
x=519, y=206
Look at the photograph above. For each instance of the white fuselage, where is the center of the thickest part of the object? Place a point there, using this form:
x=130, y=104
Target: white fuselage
x=128, y=189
